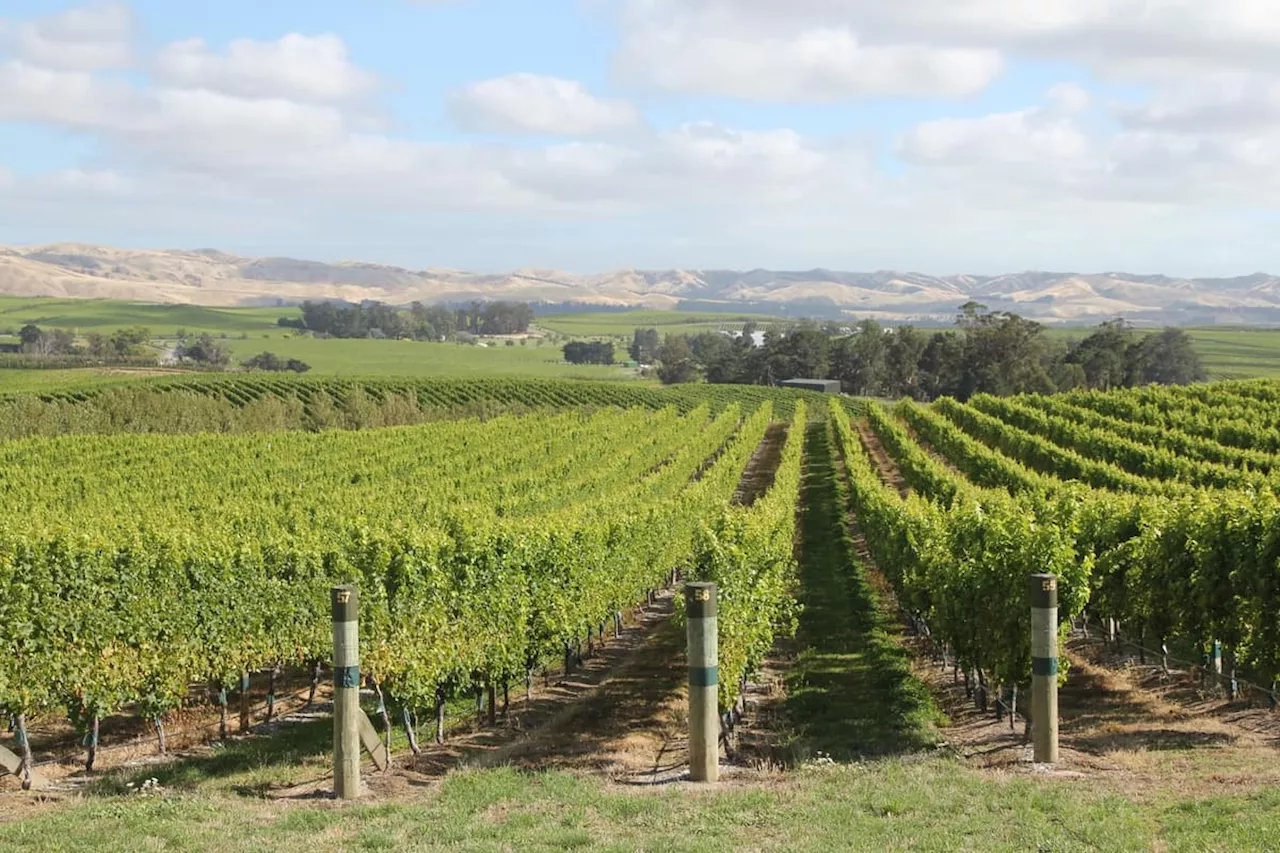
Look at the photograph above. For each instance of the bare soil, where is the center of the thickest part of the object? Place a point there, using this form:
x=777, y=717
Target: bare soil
x=1112, y=727
x=888, y=469
x=758, y=476
x=128, y=739
x=629, y=724
x=930, y=449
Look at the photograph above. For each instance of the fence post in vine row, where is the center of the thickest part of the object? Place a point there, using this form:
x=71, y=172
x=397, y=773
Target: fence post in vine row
x=346, y=692
x=1044, y=668
x=704, y=682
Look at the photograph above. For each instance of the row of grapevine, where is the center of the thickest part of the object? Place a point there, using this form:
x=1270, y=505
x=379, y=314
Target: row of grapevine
x=131, y=567
x=1229, y=419
x=749, y=552
x=961, y=562
x=262, y=402
x=1172, y=440
x=1199, y=564
x=1138, y=458
x=1042, y=454
x=981, y=464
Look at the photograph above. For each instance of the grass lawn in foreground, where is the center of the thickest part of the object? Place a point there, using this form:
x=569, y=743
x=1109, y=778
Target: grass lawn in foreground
x=933, y=804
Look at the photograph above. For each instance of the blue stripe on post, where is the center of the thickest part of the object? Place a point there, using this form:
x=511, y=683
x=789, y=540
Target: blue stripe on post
x=1044, y=666
x=346, y=676
x=704, y=676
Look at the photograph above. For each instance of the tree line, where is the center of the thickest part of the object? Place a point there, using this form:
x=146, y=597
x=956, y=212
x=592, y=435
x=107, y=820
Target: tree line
x=120, y=344
x=588, y=352
x=992, y=352
x=418, y=321
x=63, y=348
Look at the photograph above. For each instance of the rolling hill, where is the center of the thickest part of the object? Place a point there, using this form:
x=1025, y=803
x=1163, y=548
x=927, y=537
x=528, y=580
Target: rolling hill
x=214, y=278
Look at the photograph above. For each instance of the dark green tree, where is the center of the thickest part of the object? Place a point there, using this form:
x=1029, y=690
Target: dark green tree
x=1169, y=358
x=676, y=361
x=644, y=345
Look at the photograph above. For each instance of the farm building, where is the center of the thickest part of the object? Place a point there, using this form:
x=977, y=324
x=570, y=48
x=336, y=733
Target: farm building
x=824, y=386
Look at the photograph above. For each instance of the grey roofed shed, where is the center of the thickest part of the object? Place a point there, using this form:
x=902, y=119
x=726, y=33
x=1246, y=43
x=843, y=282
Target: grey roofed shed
x=825, y=386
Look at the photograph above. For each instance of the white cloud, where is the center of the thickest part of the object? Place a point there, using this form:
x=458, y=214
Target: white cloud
x=1046, y=138
x=96, y=36
x=532, y=103
x=1212, y=104
x=309, y=68
x=75, y=99
x=707, y=48
x=274, y=137
x=698, y=165
x=1227, y=33
x=826, y=49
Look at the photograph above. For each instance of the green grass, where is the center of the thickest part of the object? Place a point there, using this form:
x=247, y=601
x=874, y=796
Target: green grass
x=850, y=692
x=1239, y=353
x=929, y=805
x=624, y=323
x=1228, y=352
x=356, y=357
x=416, y=358
x=104, y=315
x=24, y=381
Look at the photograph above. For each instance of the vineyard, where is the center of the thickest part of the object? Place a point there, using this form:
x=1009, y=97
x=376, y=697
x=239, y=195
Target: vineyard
x=1155, y=507
x=166, y=543
x=255, y=403
x=134, y=566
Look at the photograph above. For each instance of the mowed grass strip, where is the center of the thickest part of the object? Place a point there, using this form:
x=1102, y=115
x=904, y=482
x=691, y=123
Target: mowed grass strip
x=224, y=803
x=935, y=805
x=851, y=693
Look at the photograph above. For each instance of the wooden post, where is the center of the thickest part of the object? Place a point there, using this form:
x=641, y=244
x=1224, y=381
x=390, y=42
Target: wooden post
x=222, y=712
x=704, y=682
x=92, y=739
x=439, y=715
x=346, y=692
x=23, y=742
x=244, y=702
x=1044, y=668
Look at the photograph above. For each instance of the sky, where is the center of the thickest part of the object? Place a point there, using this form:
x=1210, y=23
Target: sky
x=940, y=136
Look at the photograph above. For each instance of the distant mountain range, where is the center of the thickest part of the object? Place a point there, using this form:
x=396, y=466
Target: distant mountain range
x=214, y=278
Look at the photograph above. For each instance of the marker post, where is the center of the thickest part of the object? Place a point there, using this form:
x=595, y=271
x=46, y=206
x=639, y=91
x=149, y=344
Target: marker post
x=345, y=602
x=1044, y=668
x=704, y=682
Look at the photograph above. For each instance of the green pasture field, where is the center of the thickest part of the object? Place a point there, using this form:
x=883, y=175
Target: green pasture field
x=104, y=315
x=25, y=381
x=352, y=357
x=361, y=358
x=1239, y=353
x=1228, y=352
x=624, y=323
